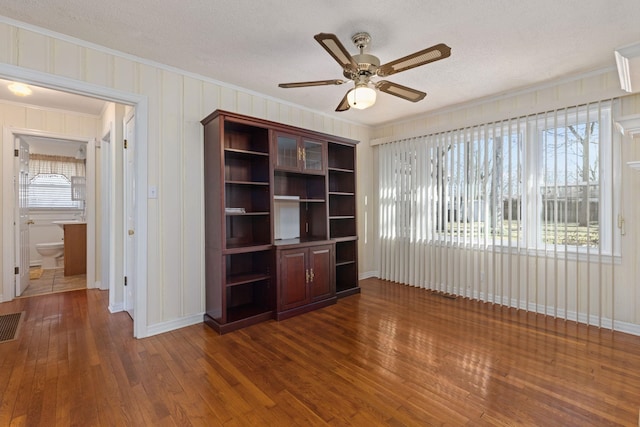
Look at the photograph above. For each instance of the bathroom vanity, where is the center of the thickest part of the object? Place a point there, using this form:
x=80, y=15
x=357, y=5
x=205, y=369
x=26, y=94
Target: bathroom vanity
x=75, y=248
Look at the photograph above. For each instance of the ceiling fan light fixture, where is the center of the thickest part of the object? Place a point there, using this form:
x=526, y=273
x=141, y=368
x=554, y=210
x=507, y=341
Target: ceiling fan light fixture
x=361, y=97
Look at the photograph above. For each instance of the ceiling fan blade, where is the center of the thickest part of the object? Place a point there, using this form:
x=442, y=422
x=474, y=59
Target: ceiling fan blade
x=313, y=83
x=344, y=104
x=400, y=91
x=431, y=54
x=337, y=50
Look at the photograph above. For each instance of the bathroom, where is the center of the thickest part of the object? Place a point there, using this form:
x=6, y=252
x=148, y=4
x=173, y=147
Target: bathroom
x=57, y=170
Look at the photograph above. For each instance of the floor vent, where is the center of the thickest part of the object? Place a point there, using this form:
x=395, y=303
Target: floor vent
x=9, y=326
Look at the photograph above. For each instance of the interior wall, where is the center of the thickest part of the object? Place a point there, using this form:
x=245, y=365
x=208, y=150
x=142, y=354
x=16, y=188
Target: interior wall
x=38, y=119
x=588, y=88
x=177, y=101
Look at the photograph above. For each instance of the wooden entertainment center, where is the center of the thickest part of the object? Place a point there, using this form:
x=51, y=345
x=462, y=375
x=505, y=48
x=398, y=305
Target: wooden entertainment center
x=280, y=220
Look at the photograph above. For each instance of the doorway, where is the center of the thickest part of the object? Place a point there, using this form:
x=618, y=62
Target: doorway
x=136, y=103
x=55, y=181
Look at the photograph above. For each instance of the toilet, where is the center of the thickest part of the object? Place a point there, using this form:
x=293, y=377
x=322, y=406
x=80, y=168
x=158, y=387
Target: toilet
x=50, y=253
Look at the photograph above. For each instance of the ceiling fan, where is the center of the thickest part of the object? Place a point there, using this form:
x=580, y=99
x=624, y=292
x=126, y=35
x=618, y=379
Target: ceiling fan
x=361, y=68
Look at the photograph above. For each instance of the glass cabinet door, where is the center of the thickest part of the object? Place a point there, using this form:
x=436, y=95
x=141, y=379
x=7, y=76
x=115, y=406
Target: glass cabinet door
x=287, y=152
x=312, y=156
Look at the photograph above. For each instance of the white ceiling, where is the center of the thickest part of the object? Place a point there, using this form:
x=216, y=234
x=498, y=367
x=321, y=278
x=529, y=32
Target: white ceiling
x=53, y=99
x=53, y=146
x=497, y=45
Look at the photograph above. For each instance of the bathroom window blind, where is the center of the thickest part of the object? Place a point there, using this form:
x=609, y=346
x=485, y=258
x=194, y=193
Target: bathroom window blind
x=52, y=191
x=50, y=181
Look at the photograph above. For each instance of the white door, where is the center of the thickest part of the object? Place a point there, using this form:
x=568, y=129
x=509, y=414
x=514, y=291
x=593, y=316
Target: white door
x=106, y=203
x=129, y=213
x=22, y=214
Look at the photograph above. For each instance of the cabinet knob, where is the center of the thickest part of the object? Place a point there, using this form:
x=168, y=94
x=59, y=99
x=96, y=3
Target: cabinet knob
x=308, y=276
x=312, y=276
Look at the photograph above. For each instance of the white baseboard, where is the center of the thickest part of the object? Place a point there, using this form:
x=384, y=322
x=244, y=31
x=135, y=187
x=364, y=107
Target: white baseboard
x=171, y=325
x=629, y=328
x=98, y=285
x=368, y=274
x=116, y=308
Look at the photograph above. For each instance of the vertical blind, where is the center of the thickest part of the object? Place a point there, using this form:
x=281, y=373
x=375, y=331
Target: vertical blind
x=521, y=212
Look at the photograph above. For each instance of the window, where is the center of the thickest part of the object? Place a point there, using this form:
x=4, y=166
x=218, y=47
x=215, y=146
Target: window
x=51, y=191
x=574, y=156
x=544, y=182
x=50, y=179
x=478, y=186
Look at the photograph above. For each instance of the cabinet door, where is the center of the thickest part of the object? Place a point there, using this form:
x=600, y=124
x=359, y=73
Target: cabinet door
x=313, y=156
x=75, y=249
x=299, y=155
x=321, y=267
x=293, y=279
x=288, y=152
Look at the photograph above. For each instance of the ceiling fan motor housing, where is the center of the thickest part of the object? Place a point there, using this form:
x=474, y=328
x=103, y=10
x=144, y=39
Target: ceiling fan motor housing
x=367, y=66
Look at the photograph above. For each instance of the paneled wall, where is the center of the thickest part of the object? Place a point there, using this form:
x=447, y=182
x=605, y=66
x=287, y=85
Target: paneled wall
x=177, y=101
x=577, y=91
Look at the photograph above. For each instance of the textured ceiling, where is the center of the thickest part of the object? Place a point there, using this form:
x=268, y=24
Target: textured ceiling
x=497, y=46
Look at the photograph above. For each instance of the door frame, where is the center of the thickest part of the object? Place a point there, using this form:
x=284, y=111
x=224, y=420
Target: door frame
x=128, y=211
x=140, y=104
x=11, y=134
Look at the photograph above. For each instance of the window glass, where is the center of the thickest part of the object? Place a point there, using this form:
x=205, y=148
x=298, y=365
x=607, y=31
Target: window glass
x=570, y=188
x=51, y=191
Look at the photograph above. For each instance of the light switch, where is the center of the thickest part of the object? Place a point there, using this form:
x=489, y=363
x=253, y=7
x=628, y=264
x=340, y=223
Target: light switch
x=153, y=192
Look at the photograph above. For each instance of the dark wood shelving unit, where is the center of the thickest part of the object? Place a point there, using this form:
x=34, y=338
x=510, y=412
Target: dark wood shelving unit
x=261, y=179
x=342, y=215
x=238, y=249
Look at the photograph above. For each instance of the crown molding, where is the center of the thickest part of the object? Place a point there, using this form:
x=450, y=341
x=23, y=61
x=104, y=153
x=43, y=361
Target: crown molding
x=628, y=63
x=629, y=125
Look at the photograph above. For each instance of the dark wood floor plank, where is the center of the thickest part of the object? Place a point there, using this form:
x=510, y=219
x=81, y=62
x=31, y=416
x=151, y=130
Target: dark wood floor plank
x=392, y=355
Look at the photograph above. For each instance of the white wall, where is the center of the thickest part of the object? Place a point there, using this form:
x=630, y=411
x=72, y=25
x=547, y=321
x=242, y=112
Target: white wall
x=177, y=101
x=581, y=89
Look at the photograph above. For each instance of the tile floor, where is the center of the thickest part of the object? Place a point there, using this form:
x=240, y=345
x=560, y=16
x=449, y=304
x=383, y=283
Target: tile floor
x=53, y=281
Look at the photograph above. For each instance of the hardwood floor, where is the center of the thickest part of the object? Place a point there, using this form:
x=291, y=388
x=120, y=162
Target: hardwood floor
x=393, y=355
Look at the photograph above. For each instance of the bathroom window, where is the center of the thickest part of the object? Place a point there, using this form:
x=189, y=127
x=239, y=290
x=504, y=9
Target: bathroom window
x=50, y=181
x=52, y=191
